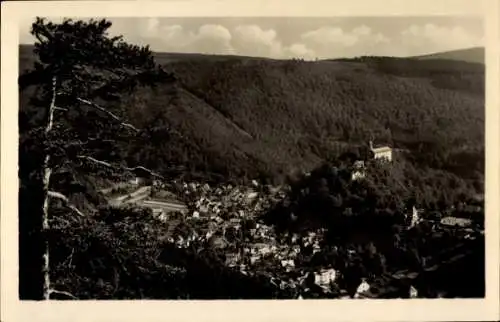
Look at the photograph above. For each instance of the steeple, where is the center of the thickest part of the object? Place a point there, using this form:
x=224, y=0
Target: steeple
x=370, y=142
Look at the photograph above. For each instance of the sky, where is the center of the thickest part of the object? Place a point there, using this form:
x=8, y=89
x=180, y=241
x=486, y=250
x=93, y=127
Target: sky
x=294, y=37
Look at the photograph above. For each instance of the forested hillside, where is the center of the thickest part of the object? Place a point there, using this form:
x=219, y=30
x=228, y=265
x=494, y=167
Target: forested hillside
x=472, y=55
x=239, y=117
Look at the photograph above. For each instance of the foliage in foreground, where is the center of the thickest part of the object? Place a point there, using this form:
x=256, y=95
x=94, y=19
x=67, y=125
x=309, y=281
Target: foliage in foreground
x=124, y=254
x=66, y=134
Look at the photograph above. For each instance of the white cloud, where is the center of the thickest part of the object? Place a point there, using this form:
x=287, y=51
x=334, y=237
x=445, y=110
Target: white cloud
x=335, y=42
x=327, y=36
x=216, y=32
x=381, y=39
x=149, y=27
x=254, y=41
x=430, y=37
x=362, y=31
x=254, y=33
x=174, y=36
x=209, y=38
x=300, y=51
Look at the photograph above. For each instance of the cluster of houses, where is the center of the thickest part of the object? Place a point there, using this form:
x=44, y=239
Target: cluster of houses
x=219, y=216
x=218, y=213
x=145, y=178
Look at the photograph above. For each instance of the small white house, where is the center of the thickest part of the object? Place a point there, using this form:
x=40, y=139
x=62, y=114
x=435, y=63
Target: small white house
x=138, y=181
x=324, y=278
x=288, y=264
x=358, y=171
x=454, y=221
x=362, y=289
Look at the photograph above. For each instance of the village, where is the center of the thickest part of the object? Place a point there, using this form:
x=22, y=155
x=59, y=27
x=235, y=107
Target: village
x=226, y=218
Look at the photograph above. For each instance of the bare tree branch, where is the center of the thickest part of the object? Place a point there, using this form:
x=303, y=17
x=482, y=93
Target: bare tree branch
x=71, y=257
x=109, y=165
x=52, y=291
x=48, y=34
x=141, y=168
x=60, y=196
x=113, y=116
x=91, y=159
x=40, y=39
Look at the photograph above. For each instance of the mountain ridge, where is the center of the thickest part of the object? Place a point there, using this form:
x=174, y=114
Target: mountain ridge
x=470, y=55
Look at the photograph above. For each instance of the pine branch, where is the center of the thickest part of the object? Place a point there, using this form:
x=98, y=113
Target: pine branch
x=60, y=196
x=46, y=32
x=110, y=114
x=52, y=291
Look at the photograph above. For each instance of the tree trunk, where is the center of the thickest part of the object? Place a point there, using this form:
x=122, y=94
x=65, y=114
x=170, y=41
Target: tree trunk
x=34, y=281
x=47, y=171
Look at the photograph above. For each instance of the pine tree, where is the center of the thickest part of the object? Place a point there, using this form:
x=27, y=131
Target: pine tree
x=81, y=71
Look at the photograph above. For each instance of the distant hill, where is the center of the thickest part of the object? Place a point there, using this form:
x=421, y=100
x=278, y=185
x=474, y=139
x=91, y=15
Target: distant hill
x=237, y=117
x=471, y=55
x=165, y=58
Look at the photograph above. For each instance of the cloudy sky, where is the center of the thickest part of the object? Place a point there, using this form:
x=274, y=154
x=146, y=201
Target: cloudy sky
x=292, y=37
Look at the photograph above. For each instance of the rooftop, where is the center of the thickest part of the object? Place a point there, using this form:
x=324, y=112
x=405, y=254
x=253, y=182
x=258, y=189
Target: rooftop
x=382, y=149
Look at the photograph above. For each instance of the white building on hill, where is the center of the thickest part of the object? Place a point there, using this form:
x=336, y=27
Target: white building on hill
x=384, y=152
